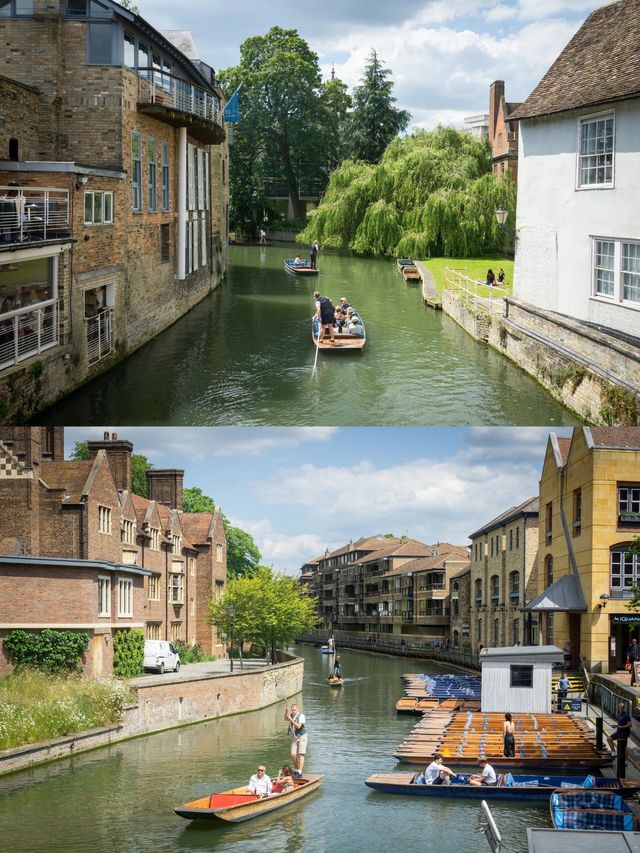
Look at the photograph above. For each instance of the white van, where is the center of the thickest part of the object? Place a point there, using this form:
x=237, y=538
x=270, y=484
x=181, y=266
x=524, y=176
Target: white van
x=160, y=655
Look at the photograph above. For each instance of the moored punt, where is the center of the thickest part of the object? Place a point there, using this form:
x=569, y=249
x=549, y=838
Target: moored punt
x=343, y=341
x=542, y=740
x=401, y=263
x=411, y=273
x=520, y=787
x=239, y=804
x=591, y=809
x=300, y=268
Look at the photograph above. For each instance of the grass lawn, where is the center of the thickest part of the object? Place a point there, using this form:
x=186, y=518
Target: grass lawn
x=473, y=267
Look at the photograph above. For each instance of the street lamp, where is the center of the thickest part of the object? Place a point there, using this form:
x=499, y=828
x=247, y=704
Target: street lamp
x=231, y=611
x=501, y=216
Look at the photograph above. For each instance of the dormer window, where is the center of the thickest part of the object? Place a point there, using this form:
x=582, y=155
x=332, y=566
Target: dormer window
x=87, y=9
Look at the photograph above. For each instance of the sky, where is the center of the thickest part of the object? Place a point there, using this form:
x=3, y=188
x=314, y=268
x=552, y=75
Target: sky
x=443, y=54
x=301, y=490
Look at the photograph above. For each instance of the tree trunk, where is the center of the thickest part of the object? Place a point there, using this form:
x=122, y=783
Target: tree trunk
x=298, y=207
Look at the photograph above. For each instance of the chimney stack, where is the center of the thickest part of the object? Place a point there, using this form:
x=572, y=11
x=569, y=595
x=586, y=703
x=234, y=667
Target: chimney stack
x=119, y=452
x=165, y=485
x=496, y=93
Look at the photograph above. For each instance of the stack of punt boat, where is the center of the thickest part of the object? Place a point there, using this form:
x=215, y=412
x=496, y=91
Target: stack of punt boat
x=542, y=740
x=423, y=692
x=409, y=270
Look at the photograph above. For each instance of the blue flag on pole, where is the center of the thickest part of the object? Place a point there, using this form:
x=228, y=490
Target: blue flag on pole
x=232, y=109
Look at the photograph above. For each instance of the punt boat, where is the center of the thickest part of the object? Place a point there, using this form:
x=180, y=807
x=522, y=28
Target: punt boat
x=591, y=809
x=301, y=268
x=335, y=681
x=239, y=804
x=528, y=787
x=343, y=340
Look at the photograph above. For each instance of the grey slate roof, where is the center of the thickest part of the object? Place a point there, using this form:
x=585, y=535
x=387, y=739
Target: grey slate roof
x=529, y=507
x=565, y=595
x=600, y=65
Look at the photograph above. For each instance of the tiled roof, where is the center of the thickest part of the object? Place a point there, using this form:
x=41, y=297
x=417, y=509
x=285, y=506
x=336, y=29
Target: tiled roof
x=196, y=525
x=616, y=437
x=421, y=564
x=71, y=476
x=397, y=548
x=563, y=446
x=370, y=543
x=529, y=507
x=600, y=65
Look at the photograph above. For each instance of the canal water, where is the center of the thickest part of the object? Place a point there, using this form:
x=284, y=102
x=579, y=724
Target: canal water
x=244, y=356
x=120, y=799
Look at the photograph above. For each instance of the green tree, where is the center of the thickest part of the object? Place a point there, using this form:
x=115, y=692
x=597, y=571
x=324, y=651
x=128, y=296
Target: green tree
x=130, y=6
x=139, y=467
x=281, y=106
x=336, y=103
x=267, y=609
x=243, y=555
x=193, y=500
x=374, y=122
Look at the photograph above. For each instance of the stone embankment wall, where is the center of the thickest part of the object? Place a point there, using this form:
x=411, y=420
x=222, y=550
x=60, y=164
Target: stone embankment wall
x=171, y=703
x=593, y=373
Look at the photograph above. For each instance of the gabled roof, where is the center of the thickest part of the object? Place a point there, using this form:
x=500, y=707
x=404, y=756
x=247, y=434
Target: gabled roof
x=436, y=561
x=197, y=526
x=564, y=596
x=397, y=548
x=600, y=65
x=530, y=507
x=72, y=476
x=370, y=543
x=614, y=438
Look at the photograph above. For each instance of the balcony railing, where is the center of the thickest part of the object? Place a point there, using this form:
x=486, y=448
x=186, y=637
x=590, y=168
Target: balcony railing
x=28, y=331
x=167, y=90
x=99, y=334
x=33, y=214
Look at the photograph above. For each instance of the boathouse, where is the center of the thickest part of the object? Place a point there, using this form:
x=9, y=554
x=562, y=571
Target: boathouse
x=518, y=678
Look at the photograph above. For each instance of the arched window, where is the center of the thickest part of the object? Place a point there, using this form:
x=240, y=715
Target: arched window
x=478, y=591
x=495, y=589
x=514, y=588
x=548, y=569
x=625, y=570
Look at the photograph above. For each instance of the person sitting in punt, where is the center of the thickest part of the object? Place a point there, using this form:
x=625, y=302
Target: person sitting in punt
x=340, y=321
x=260, y=784
x=487, y=777
x=436, y=773
x=344, y=304
x=354, y=323
x=298, y=260
x=284, y=781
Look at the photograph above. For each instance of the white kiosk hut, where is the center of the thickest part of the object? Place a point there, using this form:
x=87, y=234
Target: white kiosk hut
x=518, y=678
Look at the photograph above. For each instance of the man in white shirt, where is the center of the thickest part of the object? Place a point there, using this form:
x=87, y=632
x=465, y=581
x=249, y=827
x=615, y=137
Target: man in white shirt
x=260, y=783
x=436, y=773
x=487, y=777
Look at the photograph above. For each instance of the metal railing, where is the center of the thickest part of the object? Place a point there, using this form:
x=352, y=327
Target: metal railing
x=28, y=331
x=472, y=290
x=99, y=335
x=33, y=214
x=159, y=87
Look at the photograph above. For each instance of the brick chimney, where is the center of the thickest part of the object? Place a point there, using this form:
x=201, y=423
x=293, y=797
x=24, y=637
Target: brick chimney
x=496, y=93
x=119, y=452
x=165, y=486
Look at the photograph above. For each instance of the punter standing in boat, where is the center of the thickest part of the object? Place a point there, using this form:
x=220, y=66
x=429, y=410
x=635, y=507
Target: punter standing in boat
x=325, y=312
x=313, y=254
x=508, y=729
x=298, y=733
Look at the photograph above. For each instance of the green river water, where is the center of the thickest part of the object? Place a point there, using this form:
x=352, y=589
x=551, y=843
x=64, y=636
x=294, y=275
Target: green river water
x=244, y=356
x=120, y=799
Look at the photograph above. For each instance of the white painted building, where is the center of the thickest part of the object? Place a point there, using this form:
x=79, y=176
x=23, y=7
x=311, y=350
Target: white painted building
x=578, y=213
x=518, y=679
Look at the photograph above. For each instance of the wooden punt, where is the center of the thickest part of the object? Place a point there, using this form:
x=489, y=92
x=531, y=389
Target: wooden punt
x=335, y=681
x=343, y=341
x=239, y=804
x=591, y=809
x=302, y=268
x=522, y=787
x=401, y=263
x=411, y=273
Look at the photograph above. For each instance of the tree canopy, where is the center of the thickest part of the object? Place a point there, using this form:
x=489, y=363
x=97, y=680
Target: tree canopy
x=281, y=133
x=268, y=609
x=374, y=121
x=193, y=500
x=432, y=194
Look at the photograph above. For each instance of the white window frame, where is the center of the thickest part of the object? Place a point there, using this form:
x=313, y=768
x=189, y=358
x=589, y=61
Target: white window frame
x=219, y=553
x=125, y=598
x=617, y=297
x=592, y=119
x=153, y=589
x=176, y=591
x=136, y=180
x=104, y=595
x=154, y=533
x=176, y=545
x=104, y=519
x=128, y=532
x=102, y=196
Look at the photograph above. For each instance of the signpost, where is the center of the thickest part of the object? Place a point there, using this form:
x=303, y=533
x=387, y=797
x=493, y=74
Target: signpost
x=573, y=705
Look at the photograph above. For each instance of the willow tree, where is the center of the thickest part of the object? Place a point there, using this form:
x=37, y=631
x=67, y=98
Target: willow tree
x=431, y=194
x=374, y=121
x=280, y=133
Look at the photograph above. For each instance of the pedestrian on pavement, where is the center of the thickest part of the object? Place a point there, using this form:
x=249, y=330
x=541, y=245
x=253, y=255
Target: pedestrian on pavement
x=298, y=733
x=623, y=730
x=633, y=654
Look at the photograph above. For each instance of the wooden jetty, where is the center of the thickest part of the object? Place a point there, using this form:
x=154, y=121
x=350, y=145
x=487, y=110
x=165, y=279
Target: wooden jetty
x=542, y=740
x=430, y=293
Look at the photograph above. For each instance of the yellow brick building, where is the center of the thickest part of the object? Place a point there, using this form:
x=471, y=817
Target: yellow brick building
x=589, y=513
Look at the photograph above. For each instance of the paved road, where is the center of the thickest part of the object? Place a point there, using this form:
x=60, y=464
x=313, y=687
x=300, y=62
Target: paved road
x=191, y=671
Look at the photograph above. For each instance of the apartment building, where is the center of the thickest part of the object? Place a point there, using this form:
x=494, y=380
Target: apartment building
x=113, y=191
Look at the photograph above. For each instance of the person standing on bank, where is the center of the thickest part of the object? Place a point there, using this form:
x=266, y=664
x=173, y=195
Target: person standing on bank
x=633, y=653
x=509, y=741
x=313, y=254
x=624, y=726
x=298, y=733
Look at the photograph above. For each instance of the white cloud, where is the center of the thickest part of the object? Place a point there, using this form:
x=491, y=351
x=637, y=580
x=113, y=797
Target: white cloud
x=283, y=551
x=200, y=443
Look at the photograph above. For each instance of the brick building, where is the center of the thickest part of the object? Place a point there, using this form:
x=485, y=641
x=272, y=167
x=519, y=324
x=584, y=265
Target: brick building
x=79, y=550
x=503, y=132
x=113, y=191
